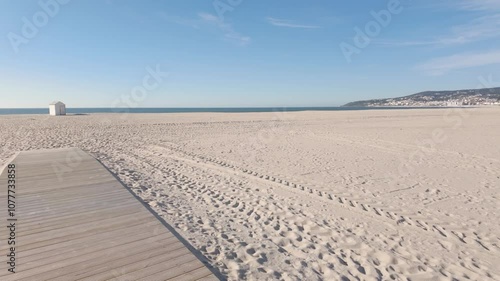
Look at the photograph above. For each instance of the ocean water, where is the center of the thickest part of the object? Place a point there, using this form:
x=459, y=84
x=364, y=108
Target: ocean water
x=9, y=111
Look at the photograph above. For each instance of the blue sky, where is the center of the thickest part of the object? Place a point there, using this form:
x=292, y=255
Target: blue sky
x=224, y=53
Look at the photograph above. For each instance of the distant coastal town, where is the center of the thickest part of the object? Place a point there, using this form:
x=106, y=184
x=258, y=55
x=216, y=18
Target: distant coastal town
x=490, y=96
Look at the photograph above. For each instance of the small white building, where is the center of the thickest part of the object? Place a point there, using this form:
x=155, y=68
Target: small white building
x=57, y=108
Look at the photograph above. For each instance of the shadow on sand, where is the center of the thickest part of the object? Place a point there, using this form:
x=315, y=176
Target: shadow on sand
x=197, y=253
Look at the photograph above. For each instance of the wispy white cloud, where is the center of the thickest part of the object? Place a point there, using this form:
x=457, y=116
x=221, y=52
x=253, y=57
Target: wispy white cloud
x=478, y=5
x=206, y=19
x=482, y=28
x=435, y=42
x=443, y=65
x=290, y=24
x=179, y=20
x=209, y=17
x=226, y=28
x=485, y=25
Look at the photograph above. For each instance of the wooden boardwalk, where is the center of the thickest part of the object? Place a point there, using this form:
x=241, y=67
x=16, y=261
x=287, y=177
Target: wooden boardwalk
x=76, y=221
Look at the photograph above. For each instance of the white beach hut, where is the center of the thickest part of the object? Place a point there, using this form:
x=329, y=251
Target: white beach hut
x=57, y=108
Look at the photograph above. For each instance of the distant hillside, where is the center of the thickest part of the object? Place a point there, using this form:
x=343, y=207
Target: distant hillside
x=438, y=98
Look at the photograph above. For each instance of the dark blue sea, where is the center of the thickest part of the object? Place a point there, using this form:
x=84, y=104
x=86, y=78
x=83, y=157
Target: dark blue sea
x=9, y=111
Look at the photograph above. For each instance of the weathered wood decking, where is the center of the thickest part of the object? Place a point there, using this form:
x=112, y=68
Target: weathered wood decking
x=75, y=221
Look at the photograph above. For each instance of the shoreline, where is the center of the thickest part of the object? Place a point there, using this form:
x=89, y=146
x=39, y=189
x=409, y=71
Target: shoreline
x=87, y=111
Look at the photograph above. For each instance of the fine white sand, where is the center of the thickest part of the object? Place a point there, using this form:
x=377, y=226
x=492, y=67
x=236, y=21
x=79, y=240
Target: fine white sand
x=353, y=195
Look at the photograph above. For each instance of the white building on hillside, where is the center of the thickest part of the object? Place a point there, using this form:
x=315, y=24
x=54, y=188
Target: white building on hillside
x=57, y=108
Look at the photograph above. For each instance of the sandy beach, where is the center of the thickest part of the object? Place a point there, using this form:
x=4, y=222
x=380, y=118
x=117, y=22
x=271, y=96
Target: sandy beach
x=340, y=195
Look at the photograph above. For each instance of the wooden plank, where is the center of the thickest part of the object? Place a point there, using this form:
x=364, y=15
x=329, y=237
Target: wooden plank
x=62, y=224
x=124, y=265
x=83, y=216
x=209, y=277
x=72, y=250
x=69, y=233
x=70, y=238
x=73, y=245
x=48, y=204
x=155, y=266
x=196, y=274
x=101, y=257
x=62, y=194
x=84, y=228
x=75, y=213
x=76, y=221
x=40, y=267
